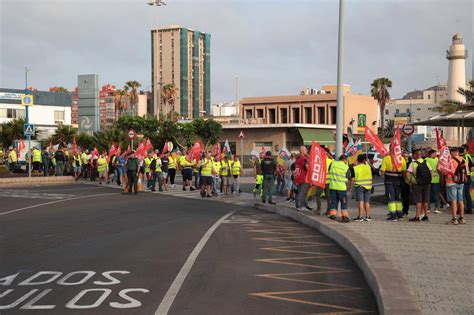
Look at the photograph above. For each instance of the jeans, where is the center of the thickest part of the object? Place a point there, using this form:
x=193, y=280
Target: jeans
x=338, y=196
x=268, y=181
x=59, y=168
x=319, y=192
x=301, y=199
x=435, y=195
x=157, y=176
x=280, y=185
x=45, y=167
x=236, y=183
x=196, y=179
x=467, y=195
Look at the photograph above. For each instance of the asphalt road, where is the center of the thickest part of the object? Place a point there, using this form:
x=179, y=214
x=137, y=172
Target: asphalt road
x=83, y=249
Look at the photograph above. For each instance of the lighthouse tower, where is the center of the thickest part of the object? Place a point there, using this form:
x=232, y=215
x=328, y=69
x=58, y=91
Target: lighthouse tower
x=457, y=55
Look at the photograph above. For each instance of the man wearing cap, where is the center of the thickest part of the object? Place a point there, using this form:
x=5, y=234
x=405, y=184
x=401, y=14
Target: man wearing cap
x=12, y=160
x=132, y=173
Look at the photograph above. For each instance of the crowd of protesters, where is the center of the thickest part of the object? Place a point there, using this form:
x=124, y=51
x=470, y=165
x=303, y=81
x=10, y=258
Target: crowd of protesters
x=418, y=178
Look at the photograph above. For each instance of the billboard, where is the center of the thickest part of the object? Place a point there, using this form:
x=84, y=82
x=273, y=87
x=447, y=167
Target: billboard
x=88, y=103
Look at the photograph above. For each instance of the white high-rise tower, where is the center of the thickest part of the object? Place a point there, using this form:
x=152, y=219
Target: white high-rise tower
x=457, y=55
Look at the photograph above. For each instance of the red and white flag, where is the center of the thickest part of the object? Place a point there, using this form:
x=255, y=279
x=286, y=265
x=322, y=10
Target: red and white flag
x=195, y=152
x=226, y=148
x=148, y=145
x=444, y=163
x=119, y=151
x=375, y=141
x=21, y=145
x=74, y=146
x=316, y=174
x=94, y=154
x=440, y=142
x=140, y=151
x=217, y=152
x=396, y=149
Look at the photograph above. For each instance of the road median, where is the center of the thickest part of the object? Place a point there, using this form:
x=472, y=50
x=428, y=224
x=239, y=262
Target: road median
x=34, y=181
x=387, y=283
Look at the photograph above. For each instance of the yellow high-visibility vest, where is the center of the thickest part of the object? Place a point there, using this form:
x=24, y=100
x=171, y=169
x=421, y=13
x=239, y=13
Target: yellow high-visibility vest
x=37, y=155
x=235, y=170
x=363, y=176
x=338, y=176
x=206, y=167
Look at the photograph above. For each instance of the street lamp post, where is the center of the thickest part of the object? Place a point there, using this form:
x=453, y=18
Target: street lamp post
x=157, y=4
x=340, y=94
x=27, y=122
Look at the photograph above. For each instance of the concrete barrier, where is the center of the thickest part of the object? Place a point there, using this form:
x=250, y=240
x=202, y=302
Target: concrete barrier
x=34, y=181
x=386, y=282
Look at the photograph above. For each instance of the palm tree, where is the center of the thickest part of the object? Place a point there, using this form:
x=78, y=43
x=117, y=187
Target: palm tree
x=63, y=135
x=449, y=106
x=379, y=91
x=389, y=129
x=120, y=102
x=169, y=94
x=133, y=86
x=12, y=130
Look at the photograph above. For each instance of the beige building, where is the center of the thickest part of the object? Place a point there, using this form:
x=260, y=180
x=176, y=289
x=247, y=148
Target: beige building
x=181, y=56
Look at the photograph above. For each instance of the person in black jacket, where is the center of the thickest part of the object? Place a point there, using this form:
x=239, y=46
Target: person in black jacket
x=268, y=167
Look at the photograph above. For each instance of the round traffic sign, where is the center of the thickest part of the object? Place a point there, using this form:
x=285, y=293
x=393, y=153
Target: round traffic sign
x=408, y=130
x=132, y=134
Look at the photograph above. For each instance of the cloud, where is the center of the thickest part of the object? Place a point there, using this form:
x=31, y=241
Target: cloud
x=275, y=47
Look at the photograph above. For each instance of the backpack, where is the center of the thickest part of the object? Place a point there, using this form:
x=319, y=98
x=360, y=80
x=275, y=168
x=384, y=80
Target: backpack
x=153, y=165
x=423, y=174
x=460, y=174
x=132, y=164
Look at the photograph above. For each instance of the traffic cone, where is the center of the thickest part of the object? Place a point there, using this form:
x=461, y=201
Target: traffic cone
x=140, y=188
x=125, y=188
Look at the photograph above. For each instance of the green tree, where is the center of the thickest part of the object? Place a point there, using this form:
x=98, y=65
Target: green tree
x=121, y=102
x=389, y=129
x=379, y=91
x=208, y=130
x=133, y=86
x=63, y=135
x=127, y=122
x=13, y=130
x=104, y=139
x=85, y=141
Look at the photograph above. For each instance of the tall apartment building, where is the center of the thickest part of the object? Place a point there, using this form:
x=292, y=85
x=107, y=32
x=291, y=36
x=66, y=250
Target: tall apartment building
x=181, y=56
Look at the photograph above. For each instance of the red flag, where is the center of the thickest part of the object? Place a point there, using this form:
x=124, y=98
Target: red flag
x=119, y=151
x=471, y=146
x=74, y=147
x=165, y=148
x=21, y=145
x=51, y=144
x=129, y=149
x=316, y=174
x=94, y=153
x=112, y=151
x=396, y=149
x=140, y=151
x=217, y=152
x=444, y=163
x=194, y=153
x=440, y=142
x=375, y=141
x=148, y=145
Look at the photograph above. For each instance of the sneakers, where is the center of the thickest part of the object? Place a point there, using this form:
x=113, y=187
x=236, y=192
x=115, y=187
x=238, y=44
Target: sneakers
x=368, y=219
x=272, y=203
x=332, y=217
x=415, y=219
x=192, y=189
x=437, y=211
x=345, y=220
x=425, y=218
x=309, y=208
x=461, y=220
x=289, y=200
x=453, y=221
x=358, y=219
x=392, y=219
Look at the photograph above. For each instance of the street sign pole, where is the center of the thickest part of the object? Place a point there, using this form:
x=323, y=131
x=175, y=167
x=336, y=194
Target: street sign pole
x=27, y=121
x=242, y=150
x=409, y=145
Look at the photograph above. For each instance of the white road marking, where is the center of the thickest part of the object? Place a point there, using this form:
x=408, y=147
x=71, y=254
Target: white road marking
x=56, y=201
x=173, y=291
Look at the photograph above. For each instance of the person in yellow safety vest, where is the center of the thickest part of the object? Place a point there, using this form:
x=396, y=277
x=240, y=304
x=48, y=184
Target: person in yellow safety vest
x=76, y=165
x=187, y=172
x=464, y=150
x=362, y=185
x=37, y=160
x=225, y=174
x=12, y=160
x=393, y=178
x=236, y=172
x=257, y=172
x=207, y=172
x=85, y=163
x=339, y=174
x=432, y=161
x=102, y=167
x=172, y=161
x=215, y=180
x=149, y=175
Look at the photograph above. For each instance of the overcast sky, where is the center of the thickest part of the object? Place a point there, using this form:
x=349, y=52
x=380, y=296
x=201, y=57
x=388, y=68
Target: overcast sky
x=276, y=47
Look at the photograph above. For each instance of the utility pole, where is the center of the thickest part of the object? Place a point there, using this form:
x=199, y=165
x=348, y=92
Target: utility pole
x=27, y=122
x=237, y=109
x=340, y=92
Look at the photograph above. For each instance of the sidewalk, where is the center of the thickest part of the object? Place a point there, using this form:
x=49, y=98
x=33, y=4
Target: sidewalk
x=436, y=259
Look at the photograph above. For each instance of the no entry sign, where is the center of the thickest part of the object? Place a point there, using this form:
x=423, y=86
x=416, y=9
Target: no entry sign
x=408, y=130
x=132, y=134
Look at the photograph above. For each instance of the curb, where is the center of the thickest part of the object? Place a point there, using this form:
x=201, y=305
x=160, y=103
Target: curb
x=27, y=181
x=386, y=282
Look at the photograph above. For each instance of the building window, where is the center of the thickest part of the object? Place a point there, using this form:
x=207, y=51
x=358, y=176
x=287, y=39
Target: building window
x=418, y=109
x=321, y=115
x=397, y=111
x=408, y=111
x=3, y=113
x=259, y=113
x=283, y=115
x=59, y=115
x=296, y=115
x=333, y=115
x=248, y=113
x=429, y=96
x=308, y=115
x=387, y=112
x=272, y=116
